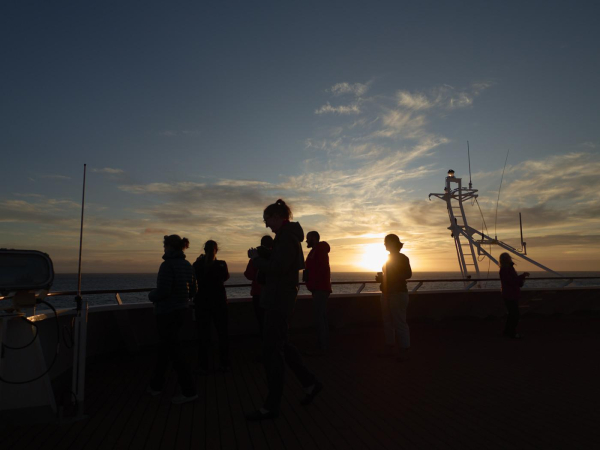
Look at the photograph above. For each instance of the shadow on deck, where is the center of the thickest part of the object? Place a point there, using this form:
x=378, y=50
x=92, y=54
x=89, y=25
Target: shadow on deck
x=464, y=387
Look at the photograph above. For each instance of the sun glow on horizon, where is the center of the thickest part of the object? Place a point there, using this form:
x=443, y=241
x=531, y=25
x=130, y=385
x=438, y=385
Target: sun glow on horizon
x=374, y=257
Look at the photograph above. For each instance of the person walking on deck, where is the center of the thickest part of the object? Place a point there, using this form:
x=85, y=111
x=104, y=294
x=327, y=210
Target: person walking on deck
x=394, y=298
x=258, y=280
x=318, y=281
x=211, y=306
x=511, y=293
x=278, y=298
x=175, y=286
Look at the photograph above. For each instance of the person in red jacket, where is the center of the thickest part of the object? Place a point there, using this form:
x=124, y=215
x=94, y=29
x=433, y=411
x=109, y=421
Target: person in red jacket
x=258, y=280
x=511, y=293
x=318, y=281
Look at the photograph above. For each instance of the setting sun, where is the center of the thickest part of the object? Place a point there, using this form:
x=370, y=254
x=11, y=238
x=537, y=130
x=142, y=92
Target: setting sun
x=374, y=257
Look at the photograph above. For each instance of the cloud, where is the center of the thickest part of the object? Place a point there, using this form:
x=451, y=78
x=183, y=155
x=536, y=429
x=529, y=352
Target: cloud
x=357, y=89
x=441, y=97
x=399, y=123
x=109, y=171
x=160, y=231
x=342, y=109
x=162, y=188
x=56, y=177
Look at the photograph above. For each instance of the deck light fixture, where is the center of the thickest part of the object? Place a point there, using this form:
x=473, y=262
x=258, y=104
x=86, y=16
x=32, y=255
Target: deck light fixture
x=451, y=173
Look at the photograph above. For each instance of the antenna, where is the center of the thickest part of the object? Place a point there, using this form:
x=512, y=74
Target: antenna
x=523, y=244
x=469, y=156
x=81, y=238
x=498, y=200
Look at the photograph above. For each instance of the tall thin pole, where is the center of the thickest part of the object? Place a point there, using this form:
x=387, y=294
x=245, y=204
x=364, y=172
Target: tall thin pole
x=469, y=156
x=81, y=235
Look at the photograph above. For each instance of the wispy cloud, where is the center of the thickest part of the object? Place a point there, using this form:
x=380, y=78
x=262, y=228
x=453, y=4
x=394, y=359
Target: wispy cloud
x=342, y=109
x=55, y=177
x=443, y=97
x=357, y=89
x=108, y=170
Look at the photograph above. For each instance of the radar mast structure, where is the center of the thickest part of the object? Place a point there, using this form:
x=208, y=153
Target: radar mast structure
x=467, y=239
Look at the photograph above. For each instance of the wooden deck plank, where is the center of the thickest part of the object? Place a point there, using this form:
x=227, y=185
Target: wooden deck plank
x=498, y=392
x=32, y=437
x=464, y=387
x=393, y=380
x=95, y=398
x=213, y=432
x=362, y=403
x=239, y=375
x=152, y=422
x=412, y=412
x=258, y=391
x=106, y=419
x=308, y=429
x=227, y=431
x=239, y=423
x=198, y=431
x=126, y=419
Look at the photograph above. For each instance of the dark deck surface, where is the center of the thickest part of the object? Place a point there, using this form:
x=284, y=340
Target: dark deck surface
x=465, y=387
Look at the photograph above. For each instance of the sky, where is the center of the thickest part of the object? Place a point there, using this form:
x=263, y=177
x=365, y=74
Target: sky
x=192, y=117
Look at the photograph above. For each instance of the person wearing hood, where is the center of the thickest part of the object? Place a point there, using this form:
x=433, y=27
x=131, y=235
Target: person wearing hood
x=511, y=293
x=278, y=298
x=211, y=305
x=318, y=281
x=175, y=286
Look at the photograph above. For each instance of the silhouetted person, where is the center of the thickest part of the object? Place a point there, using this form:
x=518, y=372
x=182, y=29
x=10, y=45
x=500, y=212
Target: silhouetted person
x=278, y=298
x=511, y=293
x=318, y=281
x=211, y=305
x=258, y=280
x=394, y=298
x=175, y=285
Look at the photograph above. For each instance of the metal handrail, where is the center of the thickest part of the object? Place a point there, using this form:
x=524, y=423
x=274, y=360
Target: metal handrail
x=472, y=282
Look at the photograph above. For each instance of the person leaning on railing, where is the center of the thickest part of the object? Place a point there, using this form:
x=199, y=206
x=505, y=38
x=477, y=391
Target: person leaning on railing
x=175, y=286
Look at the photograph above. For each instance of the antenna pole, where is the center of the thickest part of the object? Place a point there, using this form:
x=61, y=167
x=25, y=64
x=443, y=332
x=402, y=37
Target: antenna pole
x=522, y=242
x=469, y=156
x=80, y=329
x=498, y=200
x=81, y=236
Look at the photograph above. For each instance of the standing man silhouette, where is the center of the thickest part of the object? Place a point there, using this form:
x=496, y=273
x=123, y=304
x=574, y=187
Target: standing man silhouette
x=394, y=298
x=318, y=281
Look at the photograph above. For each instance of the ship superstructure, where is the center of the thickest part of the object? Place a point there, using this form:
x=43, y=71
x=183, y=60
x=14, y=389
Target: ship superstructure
x=468, y=241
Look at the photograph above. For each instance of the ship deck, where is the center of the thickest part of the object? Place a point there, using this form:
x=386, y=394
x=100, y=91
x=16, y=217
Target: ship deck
x=464, y=387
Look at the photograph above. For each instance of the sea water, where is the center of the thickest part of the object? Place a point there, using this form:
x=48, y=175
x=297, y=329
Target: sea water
x=112, y=281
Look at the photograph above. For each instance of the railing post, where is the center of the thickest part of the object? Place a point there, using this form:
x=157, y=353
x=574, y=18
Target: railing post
x=473, y=283
x=569, y=281
x=416, y=288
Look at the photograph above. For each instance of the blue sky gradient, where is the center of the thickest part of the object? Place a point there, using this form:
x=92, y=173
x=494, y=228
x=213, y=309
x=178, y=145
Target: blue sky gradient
x=192, y=117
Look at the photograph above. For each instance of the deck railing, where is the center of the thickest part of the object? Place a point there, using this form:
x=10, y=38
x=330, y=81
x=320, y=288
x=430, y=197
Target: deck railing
x=467, y=285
